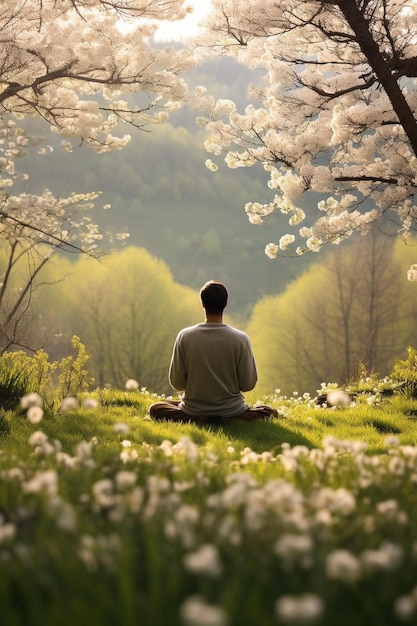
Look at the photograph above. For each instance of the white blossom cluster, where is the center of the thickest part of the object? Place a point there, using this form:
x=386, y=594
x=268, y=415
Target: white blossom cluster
x=323, y=123
x=71, y=62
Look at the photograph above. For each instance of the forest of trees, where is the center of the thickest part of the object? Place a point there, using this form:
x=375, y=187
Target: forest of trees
x=126, y=309
x=352, y=310
x=191, y=218
x=188, y=216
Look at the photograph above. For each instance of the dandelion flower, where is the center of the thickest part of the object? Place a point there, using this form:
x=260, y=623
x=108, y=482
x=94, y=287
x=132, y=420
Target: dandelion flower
x=38, y=438
x=35, y=414
x=121, y=428
x=90, y=403
x=405, y=607
x=338, y=398
x=343, y=565
x=131, y=384
x=195, y=611
x=29, y=400
x=45, y=481
x=70, y=403
x=7, y=532
x=204, y=561
x=307, y=608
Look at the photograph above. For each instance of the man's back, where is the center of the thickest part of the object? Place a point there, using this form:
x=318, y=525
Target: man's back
x=213, y=363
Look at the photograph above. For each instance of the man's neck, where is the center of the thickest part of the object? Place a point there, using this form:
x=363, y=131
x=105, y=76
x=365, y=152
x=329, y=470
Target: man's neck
x=214, y=319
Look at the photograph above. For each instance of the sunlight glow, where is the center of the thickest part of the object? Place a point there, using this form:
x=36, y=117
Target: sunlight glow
x=188, y=27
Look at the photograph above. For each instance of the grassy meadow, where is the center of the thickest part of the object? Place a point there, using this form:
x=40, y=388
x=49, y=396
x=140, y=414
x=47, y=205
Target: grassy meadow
x=110, y=518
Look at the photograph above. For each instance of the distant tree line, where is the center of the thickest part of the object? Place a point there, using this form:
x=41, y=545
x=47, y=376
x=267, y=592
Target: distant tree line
x=353, y=310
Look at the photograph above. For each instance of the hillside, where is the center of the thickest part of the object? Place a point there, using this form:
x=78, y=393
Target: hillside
x=170, y=203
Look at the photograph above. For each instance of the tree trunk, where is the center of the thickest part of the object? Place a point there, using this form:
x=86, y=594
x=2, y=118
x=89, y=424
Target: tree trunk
x=360, y=26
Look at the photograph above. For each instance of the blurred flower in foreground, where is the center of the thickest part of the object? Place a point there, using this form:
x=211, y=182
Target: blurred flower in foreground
x=338, y=398
x=412, y=273
x=304, y=609
x=131, y=384
x=196, y=612
x=121, y=427
x=35, y=414
x=30, y=399
x=90, y=403
x=205, y=560
x=70, y=403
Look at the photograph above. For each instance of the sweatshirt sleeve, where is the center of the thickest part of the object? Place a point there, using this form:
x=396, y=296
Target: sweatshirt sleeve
x=247, y=373
x=177, y=369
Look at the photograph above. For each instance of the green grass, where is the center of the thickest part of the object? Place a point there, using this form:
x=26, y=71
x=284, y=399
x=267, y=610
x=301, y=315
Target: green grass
x=107, y=517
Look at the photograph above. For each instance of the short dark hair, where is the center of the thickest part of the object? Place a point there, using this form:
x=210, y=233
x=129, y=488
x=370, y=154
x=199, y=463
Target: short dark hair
x=214, y=297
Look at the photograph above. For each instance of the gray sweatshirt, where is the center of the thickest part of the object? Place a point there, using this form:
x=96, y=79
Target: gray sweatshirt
x=212, y=363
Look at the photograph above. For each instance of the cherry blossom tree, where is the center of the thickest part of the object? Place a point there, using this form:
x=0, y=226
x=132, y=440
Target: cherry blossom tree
x=335, y=114
x=75, y=62
x=86, y=67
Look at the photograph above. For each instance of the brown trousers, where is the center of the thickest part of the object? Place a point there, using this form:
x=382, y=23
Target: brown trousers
x=170, y=411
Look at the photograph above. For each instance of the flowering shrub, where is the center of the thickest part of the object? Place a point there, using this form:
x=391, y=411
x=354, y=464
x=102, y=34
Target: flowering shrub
x=21, y=373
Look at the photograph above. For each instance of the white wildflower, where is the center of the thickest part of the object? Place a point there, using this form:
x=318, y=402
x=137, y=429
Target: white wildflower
x=205, y=560
x=187, y=447
x=195, y=611
x=84, y=452
x=307, y=608
x=405, y=606
x=387, y=558
x=128, y=455
x=29, y=400
x=388, y=508
x=121, y=428
x=42, y=482
x=103, y=493
x=343, y=565
x=35, y=414
x=7, y=531
x=38, y=438
x=124, y=480
x=70, y=403
x=63, y=513
x=131, y=384
x=295, y=549
x=338, y=398
x=392, y=441
x=90, y=403
x=166, y=446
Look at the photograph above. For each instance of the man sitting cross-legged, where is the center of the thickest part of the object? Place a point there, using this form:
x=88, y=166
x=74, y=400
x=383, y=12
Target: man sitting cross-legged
x=212, y=363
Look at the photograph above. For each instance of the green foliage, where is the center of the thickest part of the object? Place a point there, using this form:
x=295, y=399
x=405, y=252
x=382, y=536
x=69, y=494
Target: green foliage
x=73, y=377
x=405, y=372
x=127, y=310
x=21, y=373
x=164, y=206
x=13, y=382
x=348, y=311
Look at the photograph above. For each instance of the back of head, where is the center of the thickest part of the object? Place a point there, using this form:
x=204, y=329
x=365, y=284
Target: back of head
x=214, y=297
